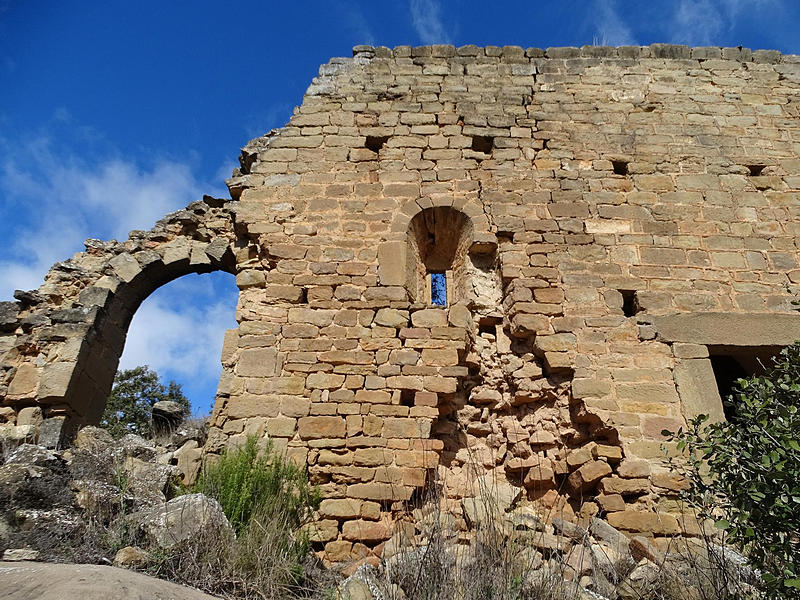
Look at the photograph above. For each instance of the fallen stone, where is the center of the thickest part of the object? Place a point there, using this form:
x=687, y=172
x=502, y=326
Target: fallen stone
x=92, y=438
x=167, y=416
x=19, y=554
x=193, y=516
x=130, y=556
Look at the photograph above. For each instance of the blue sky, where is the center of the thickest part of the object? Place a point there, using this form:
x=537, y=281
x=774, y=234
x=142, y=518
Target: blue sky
x=114, y=113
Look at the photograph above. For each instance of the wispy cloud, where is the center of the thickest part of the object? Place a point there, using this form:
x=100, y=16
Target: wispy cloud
x=705, y=22
x=52, y=198
x=356, y=22
x=56, y=201
x=427, y=22
x=610, y=26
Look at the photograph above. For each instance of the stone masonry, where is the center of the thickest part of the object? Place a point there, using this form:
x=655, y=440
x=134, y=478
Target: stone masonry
x=604, y=221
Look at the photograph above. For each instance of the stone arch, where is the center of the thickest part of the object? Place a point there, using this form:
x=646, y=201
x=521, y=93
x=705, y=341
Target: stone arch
x=69, y=334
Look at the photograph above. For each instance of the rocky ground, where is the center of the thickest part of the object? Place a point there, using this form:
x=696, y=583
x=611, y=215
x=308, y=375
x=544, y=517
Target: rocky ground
x=123, y=502
x=80, y=504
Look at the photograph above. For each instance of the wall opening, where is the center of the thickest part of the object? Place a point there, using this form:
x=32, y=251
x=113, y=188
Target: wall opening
x=620, y=167
x=755, y=170
x=376, y=142
x=731, y=363
x=482, y=143
x=93, y=374
x=438, y=289
x=438, y=243
x=629, y=305
x=178, y=332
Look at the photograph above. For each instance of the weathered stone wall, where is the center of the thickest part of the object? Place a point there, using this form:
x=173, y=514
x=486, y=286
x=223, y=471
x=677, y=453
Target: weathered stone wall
x=603, y=216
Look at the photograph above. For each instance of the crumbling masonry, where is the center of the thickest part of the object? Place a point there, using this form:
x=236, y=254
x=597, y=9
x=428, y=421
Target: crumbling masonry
x=602, y=223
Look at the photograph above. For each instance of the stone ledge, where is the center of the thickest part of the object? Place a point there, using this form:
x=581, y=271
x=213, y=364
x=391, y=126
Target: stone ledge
x=519, y=54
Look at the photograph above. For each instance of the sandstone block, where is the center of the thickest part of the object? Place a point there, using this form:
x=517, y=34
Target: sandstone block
x=390, y=317
x=379, y=491
x=30, y=415
x=25, y=382
x=523, y=324
x=282, y=427
x=257, y=362
x=366, y=531
x=644, y=522
x=429, y=317
x=324, y=381
x=632, y=468
x=312, y=428
x=624, y=487
x=588, y=475
x=440, y=358
x=340, y=508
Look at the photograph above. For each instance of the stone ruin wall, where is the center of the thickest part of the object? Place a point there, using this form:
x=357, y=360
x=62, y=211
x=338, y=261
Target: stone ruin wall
x=604, y=218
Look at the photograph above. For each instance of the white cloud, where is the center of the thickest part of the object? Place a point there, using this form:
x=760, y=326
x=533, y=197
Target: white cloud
x=51, y=199
x=427, y=22
x=178, y=343
x=705, y=22
x=611, y=27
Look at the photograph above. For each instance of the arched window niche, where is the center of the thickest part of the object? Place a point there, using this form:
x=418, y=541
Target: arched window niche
x=445, y=265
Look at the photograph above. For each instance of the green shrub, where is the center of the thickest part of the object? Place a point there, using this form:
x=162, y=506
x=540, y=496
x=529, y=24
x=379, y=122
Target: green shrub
x=251, y=481
x=744, y=473
x=267, y=499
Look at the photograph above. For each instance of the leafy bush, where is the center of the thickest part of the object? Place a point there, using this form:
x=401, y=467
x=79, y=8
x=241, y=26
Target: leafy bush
x=745, y=473
x=134, y=393
x=250, y=481
x=267, y=499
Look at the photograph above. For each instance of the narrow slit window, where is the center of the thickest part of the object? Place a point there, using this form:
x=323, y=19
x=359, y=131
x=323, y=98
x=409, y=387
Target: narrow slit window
x=439, y=289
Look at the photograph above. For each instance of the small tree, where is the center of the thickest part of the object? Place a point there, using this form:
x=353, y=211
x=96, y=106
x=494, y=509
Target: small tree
x=744, y=473
x=132, y=398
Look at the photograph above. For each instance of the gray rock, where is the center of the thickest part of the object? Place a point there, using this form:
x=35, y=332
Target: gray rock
x=167, y=416
x=132, y=445
x=31, y=454
x=131, y=556
x=93, y=438
x=181, y=519
x=43, y=581
x=364, y=584
x=148, y=480
x=17, y=554
x=55, y=432
x=9, y=311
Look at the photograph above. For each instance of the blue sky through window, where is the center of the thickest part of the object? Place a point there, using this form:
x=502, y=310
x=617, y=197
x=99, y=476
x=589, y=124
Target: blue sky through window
x=439, y=289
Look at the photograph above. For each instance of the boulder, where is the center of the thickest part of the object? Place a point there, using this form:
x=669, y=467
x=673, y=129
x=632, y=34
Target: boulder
x=183, y=518
x=43, y=581
x=147, y=480
x=132, y=445
x=641, y=582
x=190, y=459
x=92, y=439
x=167, y=416
x=18, y=554
x=31, y=454
x=130, y=556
